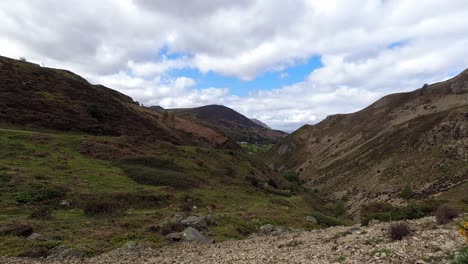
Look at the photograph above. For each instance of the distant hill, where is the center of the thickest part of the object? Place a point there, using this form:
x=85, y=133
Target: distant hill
x=260, y=123
x=156, y=107
x=417, y=139
x=40, y=97
x=232, y=123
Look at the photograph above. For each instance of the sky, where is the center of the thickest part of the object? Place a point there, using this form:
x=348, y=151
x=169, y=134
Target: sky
x=286, y=63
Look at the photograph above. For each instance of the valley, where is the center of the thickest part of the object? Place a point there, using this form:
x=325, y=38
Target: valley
x=86, y=170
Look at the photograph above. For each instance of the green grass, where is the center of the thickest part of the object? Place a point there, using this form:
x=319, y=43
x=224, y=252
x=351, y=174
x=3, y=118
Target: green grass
x=154, y=181
x=256, y=148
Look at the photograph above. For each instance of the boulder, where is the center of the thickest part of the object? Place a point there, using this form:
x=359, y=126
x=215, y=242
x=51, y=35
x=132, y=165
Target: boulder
x=311, y=219
x=211, y=220
x=34, y=237
x=61, y=252
x=176, y=218
x=174, y=237
x=195, y=222
x=279, y=230
x=266, y=230
x=191, y=234
x=130, y=245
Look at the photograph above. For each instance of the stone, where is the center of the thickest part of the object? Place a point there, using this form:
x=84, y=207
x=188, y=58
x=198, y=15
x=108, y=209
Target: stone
x=65, y=203
x=280, y=231
x=211, y=220
x=311, y=219
x=130, y=245
x=177, y=218
x=174, y=237
x=61, y=252
x=266, y=229
x=195, y=222
x=191, y=234
x=35, y=236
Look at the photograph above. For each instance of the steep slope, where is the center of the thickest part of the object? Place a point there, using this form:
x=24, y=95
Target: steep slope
x=260, y=123
x=233, y=124
x=40, y=97
x=417, y=139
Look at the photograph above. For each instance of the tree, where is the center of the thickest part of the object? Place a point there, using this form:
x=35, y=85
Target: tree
x=340, y=208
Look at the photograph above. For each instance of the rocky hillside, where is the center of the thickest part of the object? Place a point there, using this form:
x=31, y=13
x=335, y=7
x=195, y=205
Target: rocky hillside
x=417, y=139
x=233, y=124
x=428, y=243
x=39, y=97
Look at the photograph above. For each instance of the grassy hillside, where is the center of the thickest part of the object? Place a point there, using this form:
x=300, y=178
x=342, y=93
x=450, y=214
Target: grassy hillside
x=40, y=97
x=135, y=186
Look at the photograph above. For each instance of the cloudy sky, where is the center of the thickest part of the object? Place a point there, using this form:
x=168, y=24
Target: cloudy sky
x=286, y=63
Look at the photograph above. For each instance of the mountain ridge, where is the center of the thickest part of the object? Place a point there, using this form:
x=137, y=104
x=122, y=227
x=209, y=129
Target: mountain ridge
x=232, y=123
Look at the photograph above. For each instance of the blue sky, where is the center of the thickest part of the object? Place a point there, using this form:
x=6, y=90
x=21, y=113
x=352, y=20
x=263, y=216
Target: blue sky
x=268, y=80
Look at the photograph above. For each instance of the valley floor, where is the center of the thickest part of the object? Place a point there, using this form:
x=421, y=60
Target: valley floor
x=429, y=243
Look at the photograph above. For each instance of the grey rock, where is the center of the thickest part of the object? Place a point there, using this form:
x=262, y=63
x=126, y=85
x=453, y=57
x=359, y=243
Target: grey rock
x=195, y=222
x=174, y=237
x=279, y=230
x=177, y=218
x=266, y=229
x=35, y=236
x=61, y=252
x=191, y=234
x=311, y=219
x=130, y=245
x=211, y=220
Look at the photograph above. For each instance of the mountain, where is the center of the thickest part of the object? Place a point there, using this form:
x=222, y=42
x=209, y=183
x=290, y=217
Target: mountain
x=40, y=97
x=232, y=123
x=416, y=140
x=260, y=123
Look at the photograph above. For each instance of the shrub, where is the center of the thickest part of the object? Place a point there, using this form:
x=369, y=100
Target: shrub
x=386, y=212
x=42, y=213
x=4, y=178
x=398, y=231
x=151, y=162
x=329, y=220
x=23, y=59
x=134, y=200
x=461, y=257
x=38, y=193
x=157, y=177
x=95, y=112
x=445, y=214
x=406, y=193
x=272, y=183
x=464, y=229
x=103, y=207
x=292, y=177
x=340, y=208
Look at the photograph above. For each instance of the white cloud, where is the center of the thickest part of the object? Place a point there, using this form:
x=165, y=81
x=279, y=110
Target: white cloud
x=369, y=48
